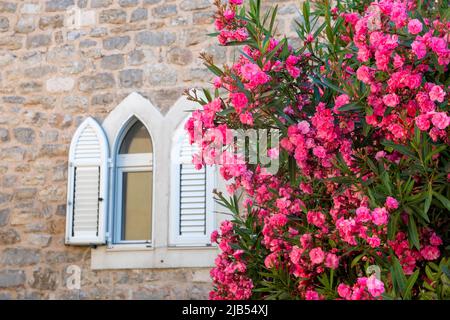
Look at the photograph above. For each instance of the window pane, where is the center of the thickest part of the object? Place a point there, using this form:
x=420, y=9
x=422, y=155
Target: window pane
x=137, y=205
x=137, y=140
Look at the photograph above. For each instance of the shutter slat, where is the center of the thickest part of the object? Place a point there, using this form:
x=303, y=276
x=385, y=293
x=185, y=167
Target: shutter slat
x=200, y=193
x=197, y=199
x=188, y=211
x=192, y=230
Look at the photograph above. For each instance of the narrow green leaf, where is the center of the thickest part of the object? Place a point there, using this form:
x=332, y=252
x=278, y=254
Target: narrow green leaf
x=355, y=106
x=398, y=277
x=428, y=200
x=356, y=259
x=413, y=235
x=400, y=148
x=442, y=199
x=410, y=284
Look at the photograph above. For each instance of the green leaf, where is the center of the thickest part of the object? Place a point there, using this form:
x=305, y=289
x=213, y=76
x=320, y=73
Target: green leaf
x=400, y=148
x=410, y=284
x=413, y=235
x=442, y=199
x=392, y=225
x=398, y=277
x=435, y=151
x=272, y=20
x=355, y=106
x=225, y=112
x=386, y=181
x=356, y=259
x=428, y=200
x=207, y=95
x=292, y=170
x=306, y=13
x=327, y=83
x=214, y=69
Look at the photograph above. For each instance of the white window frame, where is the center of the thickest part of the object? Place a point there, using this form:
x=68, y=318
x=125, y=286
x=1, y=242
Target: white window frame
x=137, y=162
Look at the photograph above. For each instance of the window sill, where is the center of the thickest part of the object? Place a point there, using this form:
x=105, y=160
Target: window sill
x=143, y=257
x=129, y=247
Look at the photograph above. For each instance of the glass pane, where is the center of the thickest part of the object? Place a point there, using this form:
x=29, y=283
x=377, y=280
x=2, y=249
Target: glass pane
x=137, y=140
x=137, y=205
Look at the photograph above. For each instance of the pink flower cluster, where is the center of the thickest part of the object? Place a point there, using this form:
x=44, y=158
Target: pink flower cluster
x=315, y=141
x=399, y=97
x=409, y=257
x=230, y=27
x=364, y=289
x=229, y=273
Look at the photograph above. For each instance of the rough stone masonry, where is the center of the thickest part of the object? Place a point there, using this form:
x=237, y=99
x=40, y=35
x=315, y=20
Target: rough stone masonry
x=56, y=68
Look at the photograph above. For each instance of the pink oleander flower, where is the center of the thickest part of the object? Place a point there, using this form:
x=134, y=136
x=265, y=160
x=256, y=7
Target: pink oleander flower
x=249, y=70
x=379, y=155
x=226, y=227
x=430, y=253
x=236, y=2
x=344, y=291
x=374, y=241
x=437, y=94
x=364, y=74
x=293, y=71
x=303, y=126
x=246, y=118
x=397, y=131
x=229, y=14
x=414, y=26
x=363, y=214
x=271, y=260
x=316, y=218
x=306, y=188
x=295, y=255
x=391, y=203
x=419, y=49
x=340, y=101
x=279, y=219
x=380, y=216
x=214, y=236
x=239, y=101
x=375, y=286
x=435, y=240
x=440, y=120
x=316, y=255
x=422, y=122
x=332, y=261
x=311, y=295
x=217, y=82
x=320, y=152
x=391, y=100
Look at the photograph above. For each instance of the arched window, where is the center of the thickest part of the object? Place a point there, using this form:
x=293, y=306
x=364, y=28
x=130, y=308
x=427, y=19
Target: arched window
x=134, y=185
x=134, y=193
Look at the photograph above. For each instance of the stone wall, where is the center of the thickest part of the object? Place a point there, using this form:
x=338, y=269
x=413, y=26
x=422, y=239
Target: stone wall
x=56, y=68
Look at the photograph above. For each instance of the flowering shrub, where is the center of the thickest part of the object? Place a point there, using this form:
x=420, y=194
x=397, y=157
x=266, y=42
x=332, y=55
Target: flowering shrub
x=362, y=110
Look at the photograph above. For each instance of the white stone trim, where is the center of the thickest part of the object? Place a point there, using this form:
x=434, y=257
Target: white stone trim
x=141, y=258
